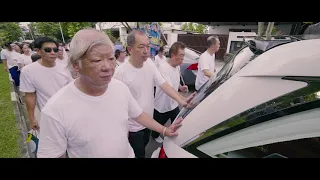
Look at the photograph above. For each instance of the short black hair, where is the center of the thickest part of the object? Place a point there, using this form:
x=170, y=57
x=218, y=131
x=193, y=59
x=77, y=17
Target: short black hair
x=7, y=44
x=31, y=46
x=117, y=53
x=41, y=40
x=161, y=49
x=60, y=42
x=35, y=57
x=175, y=48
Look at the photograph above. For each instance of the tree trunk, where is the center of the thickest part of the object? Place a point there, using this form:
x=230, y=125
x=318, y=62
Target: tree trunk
x=126, y=25
x=260, y=29
x=269, y=30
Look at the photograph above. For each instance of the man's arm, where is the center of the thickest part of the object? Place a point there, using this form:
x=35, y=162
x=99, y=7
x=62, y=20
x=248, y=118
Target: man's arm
x=5, y=67
x=152, y=124
x=207, y=73
x=31, y=105
x=53, y=143
x=173, y=93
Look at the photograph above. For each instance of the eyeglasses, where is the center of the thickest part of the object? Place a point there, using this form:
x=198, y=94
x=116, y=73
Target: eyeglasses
x=48, y=50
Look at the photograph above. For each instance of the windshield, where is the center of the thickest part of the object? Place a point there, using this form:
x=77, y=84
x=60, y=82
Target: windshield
x=237, y=62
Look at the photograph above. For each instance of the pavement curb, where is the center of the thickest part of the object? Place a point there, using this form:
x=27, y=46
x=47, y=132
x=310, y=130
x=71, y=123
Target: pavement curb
x=20, y=119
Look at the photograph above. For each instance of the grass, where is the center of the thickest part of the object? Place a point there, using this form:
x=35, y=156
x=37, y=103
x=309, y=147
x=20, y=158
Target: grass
x=9, y=133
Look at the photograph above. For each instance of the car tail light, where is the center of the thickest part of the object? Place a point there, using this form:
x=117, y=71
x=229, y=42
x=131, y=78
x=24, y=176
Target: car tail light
x=162, y=154
x=193, y=66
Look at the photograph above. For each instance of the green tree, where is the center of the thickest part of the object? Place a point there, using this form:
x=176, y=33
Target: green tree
x=9, y=31
x=71, y=28
x=52, y=29
x=109, y=33
x=49, y=29
x=200, y=28
x=190, y=26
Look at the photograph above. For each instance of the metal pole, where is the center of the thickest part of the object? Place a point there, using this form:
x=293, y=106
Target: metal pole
x=61, y=32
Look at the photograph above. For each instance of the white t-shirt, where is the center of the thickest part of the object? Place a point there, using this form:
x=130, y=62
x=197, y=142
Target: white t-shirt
x=24, y=59
x=206, y=61
x=158, y=61
x=12, y=57
x=63, y=61
x=118, y=63
x=164, y=103
x=94, y=126
x=44, y=81
x=141, y=82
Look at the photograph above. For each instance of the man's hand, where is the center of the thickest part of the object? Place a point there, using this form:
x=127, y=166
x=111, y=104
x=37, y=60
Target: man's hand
x=171, y=130
x=5, y=69
x=34, y=125
x=191, y=97
x=184, y=88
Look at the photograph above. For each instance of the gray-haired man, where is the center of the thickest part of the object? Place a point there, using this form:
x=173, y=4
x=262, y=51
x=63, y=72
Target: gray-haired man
x=89, y=117
x=206, y=65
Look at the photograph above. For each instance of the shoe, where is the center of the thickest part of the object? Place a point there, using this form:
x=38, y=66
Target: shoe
x=159, y=139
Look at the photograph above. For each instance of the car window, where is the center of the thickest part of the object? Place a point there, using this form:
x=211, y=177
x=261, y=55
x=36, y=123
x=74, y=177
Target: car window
x=299, y=148
x=237, y=62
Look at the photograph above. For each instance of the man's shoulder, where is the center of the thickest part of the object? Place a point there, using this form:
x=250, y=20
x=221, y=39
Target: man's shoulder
x=117, y=84
x=58, y=100
x=31, y=68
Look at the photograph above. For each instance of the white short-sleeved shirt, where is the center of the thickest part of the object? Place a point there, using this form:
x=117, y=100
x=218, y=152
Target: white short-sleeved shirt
x=12, y=57
x=158, y=61
x=25, y=59
x=43, y=80
x=88, y=126
x=141, y=82
x=63, y=61
x=164, y=103
x=206, y=61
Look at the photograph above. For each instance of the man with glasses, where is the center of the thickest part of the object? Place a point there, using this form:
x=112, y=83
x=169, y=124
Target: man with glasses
x=43, y=78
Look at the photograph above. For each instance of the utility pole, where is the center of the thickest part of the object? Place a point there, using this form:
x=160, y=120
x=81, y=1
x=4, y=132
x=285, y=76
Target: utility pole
x=61, y=32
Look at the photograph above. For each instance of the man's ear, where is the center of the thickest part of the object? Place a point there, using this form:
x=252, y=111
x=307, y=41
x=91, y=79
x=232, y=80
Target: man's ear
x=129, y=49
x=77, y=66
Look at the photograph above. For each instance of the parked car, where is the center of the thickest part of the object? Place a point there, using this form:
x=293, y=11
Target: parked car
x=189, y=67
x=264, y=103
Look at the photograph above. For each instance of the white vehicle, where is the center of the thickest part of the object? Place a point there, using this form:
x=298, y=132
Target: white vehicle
x=264, y=103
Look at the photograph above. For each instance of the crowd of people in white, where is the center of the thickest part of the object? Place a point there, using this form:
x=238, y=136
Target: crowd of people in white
x=95, y=101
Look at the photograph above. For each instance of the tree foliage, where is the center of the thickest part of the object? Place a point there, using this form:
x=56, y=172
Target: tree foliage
x=190, y=26
x=49, y=29
x=52, y=29
x=71, y=28
x=9, y=31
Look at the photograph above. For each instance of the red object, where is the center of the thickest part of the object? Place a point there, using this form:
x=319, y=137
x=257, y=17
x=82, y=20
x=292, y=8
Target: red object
x=162, y=154
x=193, y=66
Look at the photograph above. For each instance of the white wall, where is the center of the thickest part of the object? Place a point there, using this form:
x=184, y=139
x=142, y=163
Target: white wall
x=222, y=29
x=225, y=29
x=233, y=37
